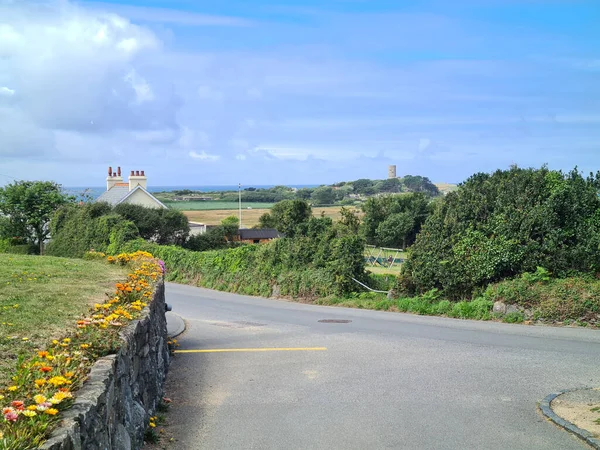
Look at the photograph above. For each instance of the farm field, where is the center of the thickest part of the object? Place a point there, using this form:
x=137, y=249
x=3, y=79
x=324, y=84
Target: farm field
x=215, y=205
x=249, y=216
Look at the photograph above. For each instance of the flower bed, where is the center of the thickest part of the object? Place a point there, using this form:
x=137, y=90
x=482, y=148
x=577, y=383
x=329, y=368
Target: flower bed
x=43, y=385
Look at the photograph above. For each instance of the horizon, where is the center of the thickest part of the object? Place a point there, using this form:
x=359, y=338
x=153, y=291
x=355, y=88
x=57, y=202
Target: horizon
x=300, y=92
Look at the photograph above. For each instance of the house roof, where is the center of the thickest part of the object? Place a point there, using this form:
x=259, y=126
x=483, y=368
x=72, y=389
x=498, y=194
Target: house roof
x=120, y=192
x=114, y=195
x=260, y=233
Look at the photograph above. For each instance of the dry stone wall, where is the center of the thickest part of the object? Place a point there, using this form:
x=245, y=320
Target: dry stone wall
x=112, y=409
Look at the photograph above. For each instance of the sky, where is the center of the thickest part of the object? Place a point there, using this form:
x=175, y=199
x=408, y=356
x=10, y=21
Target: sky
x=201, y=92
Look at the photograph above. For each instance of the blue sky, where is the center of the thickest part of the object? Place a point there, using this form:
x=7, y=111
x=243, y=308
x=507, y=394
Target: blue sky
x=296, y=92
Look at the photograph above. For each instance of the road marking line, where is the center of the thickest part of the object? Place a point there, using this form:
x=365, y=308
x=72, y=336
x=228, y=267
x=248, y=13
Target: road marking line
x=228, y=350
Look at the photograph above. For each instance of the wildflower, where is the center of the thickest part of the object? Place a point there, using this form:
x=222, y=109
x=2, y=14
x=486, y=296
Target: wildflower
x=84, y=346
x=69, y=374
x=1, y=397
x=1, y=435
x=66, y=340
x=25, y=338
x=152, y=424
x=46, y=369
x=40, y=382
x=12, y=388
x=29, y=413
x=18, y=404
x=32, y=408
x=10, y=414
x=55, y=342
x=49, y=357
x=43, y=354
x=39, y=398
x=51, y=411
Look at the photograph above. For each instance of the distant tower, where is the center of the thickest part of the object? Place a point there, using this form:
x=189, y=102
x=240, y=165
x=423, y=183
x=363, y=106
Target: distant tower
x=392, y=171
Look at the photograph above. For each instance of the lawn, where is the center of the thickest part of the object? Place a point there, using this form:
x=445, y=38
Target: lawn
x=42, y=296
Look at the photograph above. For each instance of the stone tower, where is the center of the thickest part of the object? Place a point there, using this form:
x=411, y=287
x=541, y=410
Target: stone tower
x=392, y=171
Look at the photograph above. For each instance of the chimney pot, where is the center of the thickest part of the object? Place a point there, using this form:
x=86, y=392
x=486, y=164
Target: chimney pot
x=110, y=171
x=143, y=173
x=137, y=173
x=119, y=170
x=132, y=173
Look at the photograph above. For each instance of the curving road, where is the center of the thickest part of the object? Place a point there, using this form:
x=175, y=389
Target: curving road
x=386, y=380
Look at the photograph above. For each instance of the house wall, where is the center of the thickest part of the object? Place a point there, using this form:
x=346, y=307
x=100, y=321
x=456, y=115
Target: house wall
x=141, y=198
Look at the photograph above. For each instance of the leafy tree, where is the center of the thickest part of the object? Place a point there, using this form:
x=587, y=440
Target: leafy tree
x=414, y=208
x=164, y=226
x=323, y=195
x=390, y=185
x=420, y=184
x=395, y=230
x=285, y=216
x=29, y=205
x=350, y=220
x=362, y=186
x=230, y=226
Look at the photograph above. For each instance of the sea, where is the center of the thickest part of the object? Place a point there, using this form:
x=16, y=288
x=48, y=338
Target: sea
x=95, y=192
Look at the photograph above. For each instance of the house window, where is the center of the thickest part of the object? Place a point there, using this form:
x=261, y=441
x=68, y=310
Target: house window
x=256, y=241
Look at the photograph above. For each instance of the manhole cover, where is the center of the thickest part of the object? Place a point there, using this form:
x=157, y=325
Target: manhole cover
x=334, y=321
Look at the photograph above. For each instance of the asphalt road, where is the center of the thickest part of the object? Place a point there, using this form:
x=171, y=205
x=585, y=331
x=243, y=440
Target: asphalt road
x=386, y=380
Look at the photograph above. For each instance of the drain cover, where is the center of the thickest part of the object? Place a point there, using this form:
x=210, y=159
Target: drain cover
x=334, y=321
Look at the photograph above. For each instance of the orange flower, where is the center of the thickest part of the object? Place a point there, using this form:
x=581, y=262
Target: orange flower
x=46, y=369
x=43, y=354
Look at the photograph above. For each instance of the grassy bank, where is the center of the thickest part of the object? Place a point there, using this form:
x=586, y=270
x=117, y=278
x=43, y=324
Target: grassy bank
x=211, y=205
x=42, y=296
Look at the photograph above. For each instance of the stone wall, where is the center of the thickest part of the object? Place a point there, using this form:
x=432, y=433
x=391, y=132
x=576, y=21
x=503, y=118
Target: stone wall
x=112, y=408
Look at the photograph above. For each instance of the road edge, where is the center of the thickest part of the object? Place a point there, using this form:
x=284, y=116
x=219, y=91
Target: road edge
x=547, y=411
x=175, y=324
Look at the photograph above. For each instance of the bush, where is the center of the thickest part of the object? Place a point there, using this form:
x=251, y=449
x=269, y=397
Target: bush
x=502, y=225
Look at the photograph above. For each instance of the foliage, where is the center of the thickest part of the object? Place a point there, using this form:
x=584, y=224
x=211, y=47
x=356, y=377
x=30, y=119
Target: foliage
x=504, y=224
x=420, y=184
x=164, y=226
x=77, y=229
x=285, y=216
x=323, y=195
x=29, y=205
x=321, y=259
x=572, y=298
x=394, y=220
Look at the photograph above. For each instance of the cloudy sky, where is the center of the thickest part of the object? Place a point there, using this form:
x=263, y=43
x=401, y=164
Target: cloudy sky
x=296, y=91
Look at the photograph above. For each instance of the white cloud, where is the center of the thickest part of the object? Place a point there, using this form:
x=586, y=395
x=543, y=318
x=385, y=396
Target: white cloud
x=204, y=156
x=78, y=71
x=165, y=15
x=6, y=92
x=240, y=157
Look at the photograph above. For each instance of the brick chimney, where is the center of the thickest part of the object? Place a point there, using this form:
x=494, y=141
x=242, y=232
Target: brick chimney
x=113, y=178
x=137, y=179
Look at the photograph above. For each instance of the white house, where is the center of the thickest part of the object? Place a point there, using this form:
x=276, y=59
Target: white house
x=133, y=192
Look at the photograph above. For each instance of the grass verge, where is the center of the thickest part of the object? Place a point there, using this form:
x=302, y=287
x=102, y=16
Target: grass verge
x=42, y=296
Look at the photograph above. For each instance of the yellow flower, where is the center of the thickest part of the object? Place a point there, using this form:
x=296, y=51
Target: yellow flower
x=54, y=341
x=66, y=340
x=32, y=408
x=1, y=397
x=40, y=382
x=12, y=388
x=84, y=346
x=39, y=398
x=152, y=424
x=49, y=357
x=29, y=413
x=69, y=374
x=25, y=338
x=51, y=411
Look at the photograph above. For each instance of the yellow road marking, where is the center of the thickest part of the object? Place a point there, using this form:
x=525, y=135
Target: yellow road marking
x=228, y=350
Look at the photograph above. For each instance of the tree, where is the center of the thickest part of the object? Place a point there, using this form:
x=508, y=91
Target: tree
x=395, y=230
x=285, y=216
x=362, y=186
x=164, y=226
x=231, y=226
x=29, y=205
x=420, y=184
x=323, y=195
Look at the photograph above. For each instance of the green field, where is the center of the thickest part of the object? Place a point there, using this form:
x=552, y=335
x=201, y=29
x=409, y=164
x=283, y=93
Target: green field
x=211, y=205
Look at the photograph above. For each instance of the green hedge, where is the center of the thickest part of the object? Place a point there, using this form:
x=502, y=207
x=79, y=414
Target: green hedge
x=246, y=270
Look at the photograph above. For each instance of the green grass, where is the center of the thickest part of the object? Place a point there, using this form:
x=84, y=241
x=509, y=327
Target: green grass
x=41, y=296
x=215, y=205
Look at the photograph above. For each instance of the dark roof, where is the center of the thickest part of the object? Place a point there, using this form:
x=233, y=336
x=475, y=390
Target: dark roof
x=260, y=233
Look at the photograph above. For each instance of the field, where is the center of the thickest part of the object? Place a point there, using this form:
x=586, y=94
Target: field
x=42, y=296
x=249, y=216
x=215, y=205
